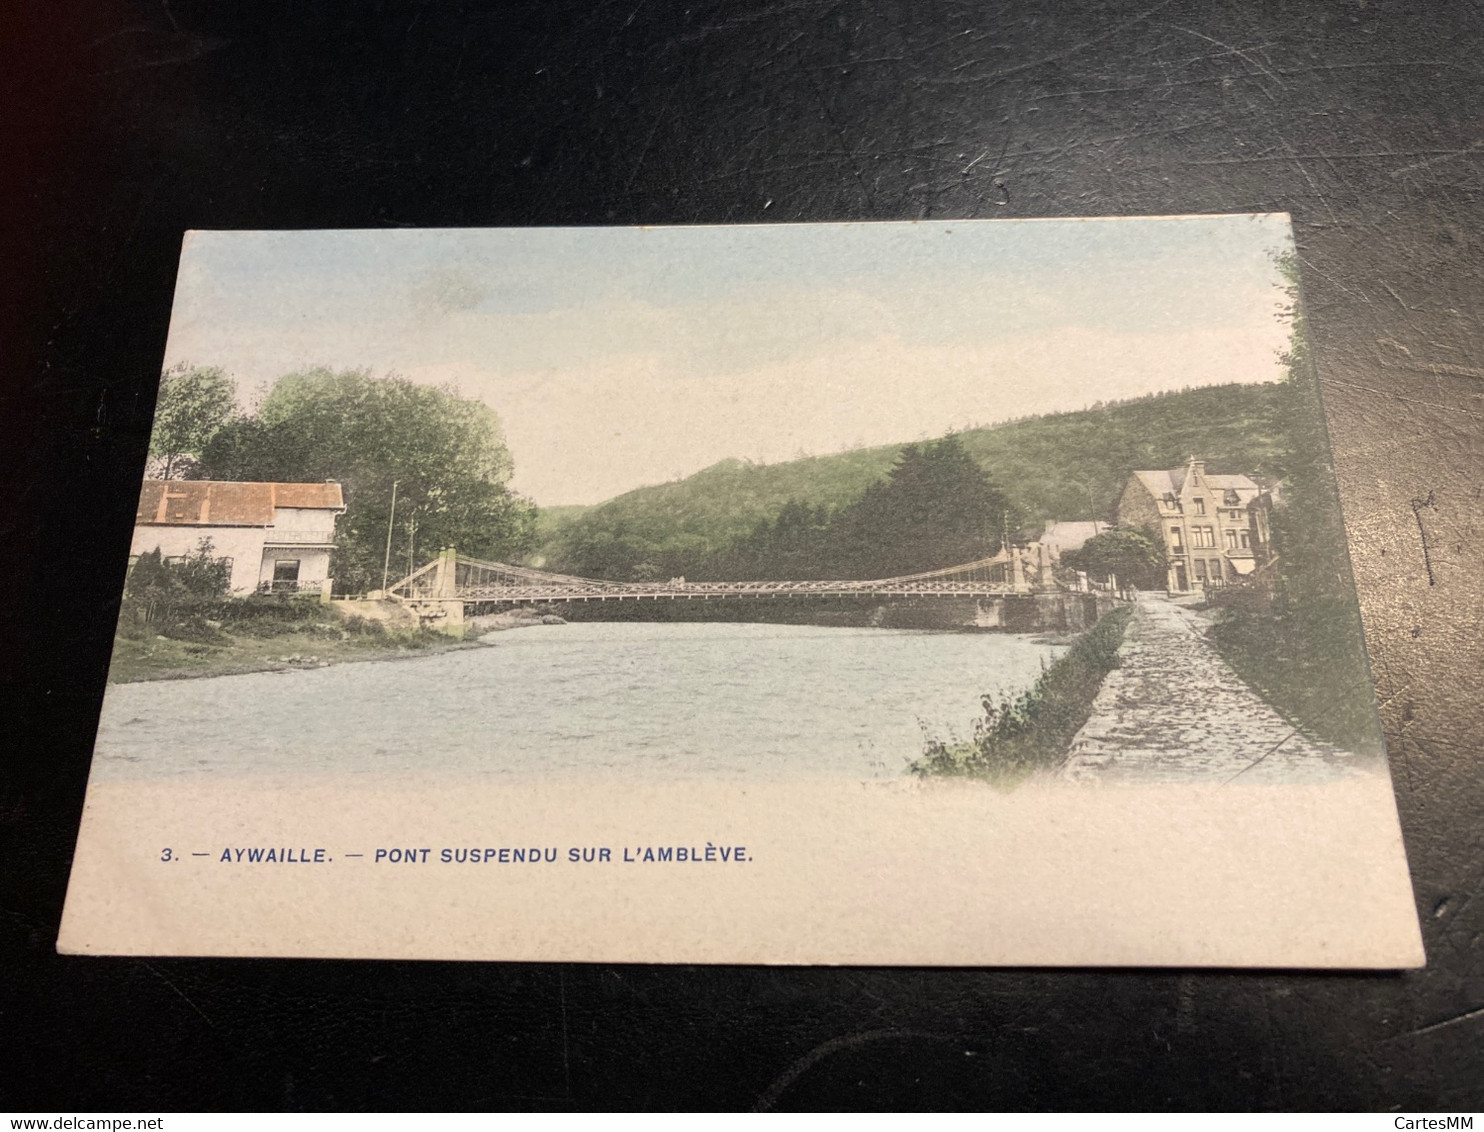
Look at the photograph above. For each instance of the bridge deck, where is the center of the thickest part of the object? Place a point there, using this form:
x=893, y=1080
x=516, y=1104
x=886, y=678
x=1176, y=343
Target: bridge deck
x=520, y=595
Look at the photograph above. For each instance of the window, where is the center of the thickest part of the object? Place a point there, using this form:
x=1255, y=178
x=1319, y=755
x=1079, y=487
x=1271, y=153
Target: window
x=1231, y=540
x=1200, y=569
x=176, y=559
x=1203, y=537
x=1200, y=506
x=1245, y=540
x=286, y=570
x=1175, y=543
x=1216, y=570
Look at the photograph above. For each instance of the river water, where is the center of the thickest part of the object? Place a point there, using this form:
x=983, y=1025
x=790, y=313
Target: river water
x=660, y=701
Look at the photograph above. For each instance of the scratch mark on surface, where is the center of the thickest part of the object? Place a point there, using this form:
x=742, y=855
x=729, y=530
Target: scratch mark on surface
x=1339, y=700
x=1399, y=397
x=845, y=151
x=1437, y=368
x=1318, y=192
x=1390, y=290
x=1237, y=51
x=156, y=49
x=566, y=1043
x=1446, y=155
x=649, y=141
x=157, y=973
x=1455, y=913
x=1285, y=72
x=776, y=1090
x=1309, y=266
x=1466, y=1016
x=1417, y=506
x=1077, y=47
x=1321, y=155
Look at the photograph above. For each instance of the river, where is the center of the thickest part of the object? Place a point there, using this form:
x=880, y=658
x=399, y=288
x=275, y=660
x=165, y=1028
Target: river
x=641, y=700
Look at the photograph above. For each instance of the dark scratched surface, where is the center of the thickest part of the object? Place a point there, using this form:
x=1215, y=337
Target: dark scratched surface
x=127, y=121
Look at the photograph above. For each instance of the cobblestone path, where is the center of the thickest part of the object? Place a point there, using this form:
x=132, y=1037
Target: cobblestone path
x=1174, y=711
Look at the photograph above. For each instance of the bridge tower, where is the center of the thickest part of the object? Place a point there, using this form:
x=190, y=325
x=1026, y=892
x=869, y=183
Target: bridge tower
x=443, y=609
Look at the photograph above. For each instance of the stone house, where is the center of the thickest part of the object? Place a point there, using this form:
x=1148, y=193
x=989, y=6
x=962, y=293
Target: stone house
x=276, y=536
x=1214, y=528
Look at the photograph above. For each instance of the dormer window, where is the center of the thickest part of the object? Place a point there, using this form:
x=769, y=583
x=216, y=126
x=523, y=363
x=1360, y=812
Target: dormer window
x=1200, y=506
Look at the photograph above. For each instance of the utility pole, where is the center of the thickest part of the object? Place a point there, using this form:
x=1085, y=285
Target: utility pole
x=386, y=563
x=1092, y=506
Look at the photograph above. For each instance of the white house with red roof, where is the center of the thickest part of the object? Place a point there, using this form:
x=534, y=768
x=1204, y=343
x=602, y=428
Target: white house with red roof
x=277, y=536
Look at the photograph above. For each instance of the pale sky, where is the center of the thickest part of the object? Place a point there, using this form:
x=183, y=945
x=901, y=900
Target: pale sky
x=617, y=357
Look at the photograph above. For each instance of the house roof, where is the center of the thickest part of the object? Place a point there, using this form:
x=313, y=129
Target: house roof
x=1171, y=481
x=217, y=503
x=1070, y=535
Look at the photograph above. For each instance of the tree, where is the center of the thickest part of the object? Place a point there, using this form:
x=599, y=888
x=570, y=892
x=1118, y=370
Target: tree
x=445, y=453
x=193, y=405
x=935, y=507
x=1136, y=560
x=1306, y=651
x=168, y=595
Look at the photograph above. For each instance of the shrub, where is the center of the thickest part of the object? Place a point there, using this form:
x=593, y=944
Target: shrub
x=1021, y=734
x=172, y=597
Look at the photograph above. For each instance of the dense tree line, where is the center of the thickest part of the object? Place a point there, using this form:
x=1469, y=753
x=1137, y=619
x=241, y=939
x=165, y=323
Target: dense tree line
x=1062, y=466
x=1306, y=650
x=934, y=507
x=445, y=454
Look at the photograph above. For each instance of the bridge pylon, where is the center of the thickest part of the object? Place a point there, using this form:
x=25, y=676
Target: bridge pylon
x=439, y=606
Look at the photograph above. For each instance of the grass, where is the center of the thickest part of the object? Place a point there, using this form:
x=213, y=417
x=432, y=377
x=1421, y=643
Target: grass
x=310, y=638
x=1033, y=731
x=1309, y=665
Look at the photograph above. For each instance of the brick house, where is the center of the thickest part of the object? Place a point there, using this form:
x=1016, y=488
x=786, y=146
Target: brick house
x=1214, y=528
x=276, y=536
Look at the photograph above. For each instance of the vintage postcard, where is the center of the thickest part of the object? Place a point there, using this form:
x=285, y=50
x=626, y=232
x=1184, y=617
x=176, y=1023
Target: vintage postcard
x=904, y=593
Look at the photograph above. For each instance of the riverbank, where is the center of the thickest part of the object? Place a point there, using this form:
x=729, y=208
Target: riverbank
x=1033, y=731
x=286, y=648
x=520, y=618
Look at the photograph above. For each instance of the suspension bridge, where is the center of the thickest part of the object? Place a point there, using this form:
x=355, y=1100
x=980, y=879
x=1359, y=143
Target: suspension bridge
x=453, y=578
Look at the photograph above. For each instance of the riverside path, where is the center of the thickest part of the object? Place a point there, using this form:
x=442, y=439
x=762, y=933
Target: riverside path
x=1174, y=711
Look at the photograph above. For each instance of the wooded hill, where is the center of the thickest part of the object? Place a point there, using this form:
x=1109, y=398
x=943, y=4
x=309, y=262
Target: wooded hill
x=1061, y=466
